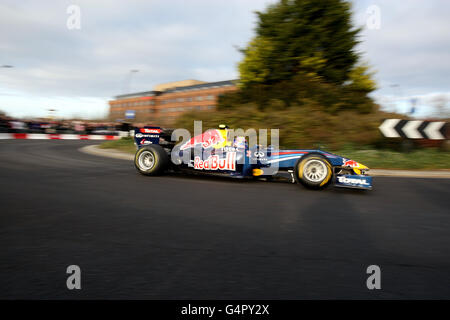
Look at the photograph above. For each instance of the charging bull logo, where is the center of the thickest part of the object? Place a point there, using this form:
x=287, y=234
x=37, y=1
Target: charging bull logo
x=207, y=139
x=215, y=163
x=358, y=168
x=350, y=163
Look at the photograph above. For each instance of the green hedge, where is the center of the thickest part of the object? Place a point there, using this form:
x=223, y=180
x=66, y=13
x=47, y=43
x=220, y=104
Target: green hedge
x=300, y=126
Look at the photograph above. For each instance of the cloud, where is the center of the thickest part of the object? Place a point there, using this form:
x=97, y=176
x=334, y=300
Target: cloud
x=410, y=52
x=412, y=46
x=179, y=39
x=164, y=40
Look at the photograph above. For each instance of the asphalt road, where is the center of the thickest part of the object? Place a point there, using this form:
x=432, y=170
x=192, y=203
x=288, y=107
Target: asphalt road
x=175, y=237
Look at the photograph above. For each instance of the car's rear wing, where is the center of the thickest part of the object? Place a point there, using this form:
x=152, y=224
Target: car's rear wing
x=146, y=135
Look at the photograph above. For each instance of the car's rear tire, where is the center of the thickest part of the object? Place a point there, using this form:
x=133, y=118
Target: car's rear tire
x=151, y=160
x=313, y=171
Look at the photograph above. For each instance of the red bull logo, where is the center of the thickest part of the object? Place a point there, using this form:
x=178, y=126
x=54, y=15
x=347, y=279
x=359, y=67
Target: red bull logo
x=215, y=163
x=206, y=140
x=350, y=163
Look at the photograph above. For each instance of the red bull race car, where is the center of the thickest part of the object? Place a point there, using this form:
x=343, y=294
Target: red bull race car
x=216, y=151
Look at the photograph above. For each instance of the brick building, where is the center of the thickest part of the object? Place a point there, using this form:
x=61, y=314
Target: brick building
x=168, y=101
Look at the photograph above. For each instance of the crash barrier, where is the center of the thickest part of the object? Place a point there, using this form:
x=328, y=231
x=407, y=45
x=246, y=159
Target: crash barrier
x=415, y=129
x=56, y=136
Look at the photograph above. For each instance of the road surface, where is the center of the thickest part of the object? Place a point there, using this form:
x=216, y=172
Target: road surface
x=175, y=237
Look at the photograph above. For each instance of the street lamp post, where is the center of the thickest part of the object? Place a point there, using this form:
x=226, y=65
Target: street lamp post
x=51, y=114
x=128, y=80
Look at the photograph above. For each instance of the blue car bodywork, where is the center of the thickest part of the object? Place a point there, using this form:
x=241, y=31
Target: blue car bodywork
x=241, y=161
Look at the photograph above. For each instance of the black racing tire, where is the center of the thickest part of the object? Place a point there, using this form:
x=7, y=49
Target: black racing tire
x=151, y=160
x=313, y=171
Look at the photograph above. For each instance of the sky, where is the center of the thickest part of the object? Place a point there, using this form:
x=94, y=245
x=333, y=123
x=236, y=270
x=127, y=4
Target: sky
x=75, y=71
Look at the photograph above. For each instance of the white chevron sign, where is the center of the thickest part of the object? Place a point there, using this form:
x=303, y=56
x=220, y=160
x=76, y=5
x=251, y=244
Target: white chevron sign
x=413, y=129
x=387, y=128
x=433, y=130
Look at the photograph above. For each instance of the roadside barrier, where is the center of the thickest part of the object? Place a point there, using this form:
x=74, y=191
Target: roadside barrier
x=56, y=136
x=414, y=129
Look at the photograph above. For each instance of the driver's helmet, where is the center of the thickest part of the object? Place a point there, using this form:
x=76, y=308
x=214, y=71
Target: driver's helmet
x=223, y=131
x=238, y=142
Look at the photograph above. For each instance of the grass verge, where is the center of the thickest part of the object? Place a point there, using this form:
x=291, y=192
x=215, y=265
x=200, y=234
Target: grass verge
x=388, y=159
x=375, y=159
x=123, y=144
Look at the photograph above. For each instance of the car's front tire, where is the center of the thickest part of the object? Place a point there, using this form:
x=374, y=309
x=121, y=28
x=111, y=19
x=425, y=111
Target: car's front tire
x=151, y=160
x=313, y=171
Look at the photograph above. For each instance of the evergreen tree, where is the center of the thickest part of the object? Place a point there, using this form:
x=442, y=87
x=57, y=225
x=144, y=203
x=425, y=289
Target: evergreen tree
x=306, y=37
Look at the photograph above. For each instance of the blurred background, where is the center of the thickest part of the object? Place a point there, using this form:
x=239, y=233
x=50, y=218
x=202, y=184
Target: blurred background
x=326, y=73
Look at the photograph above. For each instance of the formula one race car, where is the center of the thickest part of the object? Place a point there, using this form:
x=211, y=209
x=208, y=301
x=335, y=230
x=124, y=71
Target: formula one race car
x=216, y=151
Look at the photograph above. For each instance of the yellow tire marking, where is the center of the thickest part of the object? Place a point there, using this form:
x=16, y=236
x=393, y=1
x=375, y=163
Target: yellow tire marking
x=328, y=176
x=156, y=160
x=136, y=160
x=300, y=170
x=302, y=163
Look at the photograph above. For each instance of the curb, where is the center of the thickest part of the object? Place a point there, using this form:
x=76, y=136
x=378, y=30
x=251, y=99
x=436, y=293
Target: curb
x=109, y=153
x=440, y=174
x=444, y=174
x=56, y=136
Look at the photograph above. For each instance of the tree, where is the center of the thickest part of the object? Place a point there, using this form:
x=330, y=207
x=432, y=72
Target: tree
x=309, y=37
